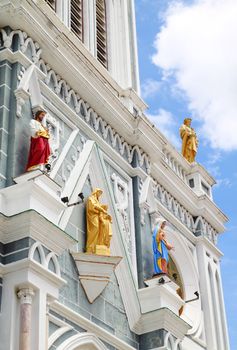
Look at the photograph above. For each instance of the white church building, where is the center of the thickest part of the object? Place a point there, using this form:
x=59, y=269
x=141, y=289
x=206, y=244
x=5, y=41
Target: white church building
x=77, y=60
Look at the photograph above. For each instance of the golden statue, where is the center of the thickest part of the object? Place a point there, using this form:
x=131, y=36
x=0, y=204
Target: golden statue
x=105, y=228
x=189, y=140
x=99, y=231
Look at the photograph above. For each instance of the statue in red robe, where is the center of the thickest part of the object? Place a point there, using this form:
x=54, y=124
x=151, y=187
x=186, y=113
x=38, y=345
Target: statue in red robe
x=39, y=145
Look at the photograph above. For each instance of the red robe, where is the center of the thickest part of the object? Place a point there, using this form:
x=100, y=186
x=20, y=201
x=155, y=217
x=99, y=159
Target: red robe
x=39, y=152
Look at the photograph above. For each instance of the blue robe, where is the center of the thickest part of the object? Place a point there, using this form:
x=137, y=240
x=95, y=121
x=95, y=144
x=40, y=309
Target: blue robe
x=160, y=253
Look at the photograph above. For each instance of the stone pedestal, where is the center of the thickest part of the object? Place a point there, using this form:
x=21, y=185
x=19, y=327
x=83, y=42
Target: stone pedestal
x=33, y=190
x=95, y=272
x=160, y=293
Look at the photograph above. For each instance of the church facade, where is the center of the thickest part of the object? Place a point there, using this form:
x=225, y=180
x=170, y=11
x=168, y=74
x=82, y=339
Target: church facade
x=77, y=60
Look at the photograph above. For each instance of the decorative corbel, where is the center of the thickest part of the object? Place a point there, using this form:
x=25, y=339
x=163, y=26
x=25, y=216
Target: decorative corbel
x=95, y=272
x=21, y=97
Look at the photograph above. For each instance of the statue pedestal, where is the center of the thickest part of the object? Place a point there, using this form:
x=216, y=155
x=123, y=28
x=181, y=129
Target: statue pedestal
x=95, y=272
x=160, y=293
x=160, y=280
x=33, y=190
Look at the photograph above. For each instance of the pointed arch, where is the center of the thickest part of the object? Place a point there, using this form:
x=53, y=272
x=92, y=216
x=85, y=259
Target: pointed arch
x=188, y=275
x=38, y=249
x=82, y=341
x=52, y=259
x=169, y=341
x=199, y=226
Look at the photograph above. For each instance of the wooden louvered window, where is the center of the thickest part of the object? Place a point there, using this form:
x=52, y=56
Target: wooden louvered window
x=52, y=4
x=76, y=18
x=101, y=32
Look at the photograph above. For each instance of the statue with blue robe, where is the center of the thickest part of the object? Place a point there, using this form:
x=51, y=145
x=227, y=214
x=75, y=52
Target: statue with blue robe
x=160, y=249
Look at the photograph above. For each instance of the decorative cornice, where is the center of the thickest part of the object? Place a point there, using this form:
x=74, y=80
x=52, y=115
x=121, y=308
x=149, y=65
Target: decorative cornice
x=27, y=279
x=152, y=192
x=92, y=119
x=86, y=112
x=163, y=319
x=71, y=98
x=32, y=224
x=203, y=241
x=25, y=42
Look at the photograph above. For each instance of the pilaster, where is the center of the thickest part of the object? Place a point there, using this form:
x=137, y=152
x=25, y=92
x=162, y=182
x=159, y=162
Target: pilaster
x=211, y=302
x=137, y=224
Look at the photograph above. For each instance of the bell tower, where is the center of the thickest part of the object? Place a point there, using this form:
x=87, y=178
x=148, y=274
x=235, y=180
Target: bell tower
x=107, y=29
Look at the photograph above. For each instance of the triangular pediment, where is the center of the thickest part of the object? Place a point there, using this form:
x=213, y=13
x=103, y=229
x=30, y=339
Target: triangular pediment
x=91, y=165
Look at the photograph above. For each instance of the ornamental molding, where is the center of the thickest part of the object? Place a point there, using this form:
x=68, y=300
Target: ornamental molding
x=159, y=295
x=71, y=97
x=89, y=326
x=32, y=224
x=26, y=295
x=30, y=273
x=45, y=259
x=33, y=190
x=170, y=340
x=93, y=165
x=147, y=202
x=121, y=196
x=76, y=341
x=25, y=43
x=151, y=192
x=86, y=112
x=63, y=328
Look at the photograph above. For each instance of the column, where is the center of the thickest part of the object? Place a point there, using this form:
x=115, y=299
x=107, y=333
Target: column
x=206, y=296
x=25, y=295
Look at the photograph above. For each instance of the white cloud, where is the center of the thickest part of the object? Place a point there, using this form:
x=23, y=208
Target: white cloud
x=197, y=45
x=150, y=87
x=212, y=163
x=165, y=122
x=225, y=182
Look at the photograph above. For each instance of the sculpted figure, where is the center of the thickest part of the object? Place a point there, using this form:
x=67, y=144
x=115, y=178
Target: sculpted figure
x=105, y=232
x=98, y=225
x=160, y=248
x=189, y=140
x=39, y=144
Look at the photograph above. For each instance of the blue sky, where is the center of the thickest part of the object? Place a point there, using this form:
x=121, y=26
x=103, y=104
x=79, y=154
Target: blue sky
x=188, y=67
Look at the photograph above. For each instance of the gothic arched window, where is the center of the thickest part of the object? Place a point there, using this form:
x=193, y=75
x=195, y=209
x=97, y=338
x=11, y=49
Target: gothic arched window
x=77, y=18
x=101, y=32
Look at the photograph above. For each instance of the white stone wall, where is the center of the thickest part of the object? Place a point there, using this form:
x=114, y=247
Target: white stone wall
x=98, y=142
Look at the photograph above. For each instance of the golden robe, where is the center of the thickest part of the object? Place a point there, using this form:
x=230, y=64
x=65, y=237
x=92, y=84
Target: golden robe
x=189, y=143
